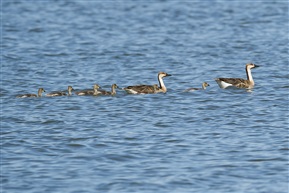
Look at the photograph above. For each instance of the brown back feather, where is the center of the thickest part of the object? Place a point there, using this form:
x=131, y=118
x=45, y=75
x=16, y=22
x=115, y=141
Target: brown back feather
x=238, y=82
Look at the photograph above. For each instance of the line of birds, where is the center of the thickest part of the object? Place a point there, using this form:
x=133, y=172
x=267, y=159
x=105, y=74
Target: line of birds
x=152, y=89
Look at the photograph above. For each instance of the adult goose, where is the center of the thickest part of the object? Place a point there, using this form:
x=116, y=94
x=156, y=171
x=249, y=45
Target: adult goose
x=149, y=89
x=239, y=82
x=94, y=91
x=39, y=94
x=204, y=85
x=113, y=91
x=61, y=93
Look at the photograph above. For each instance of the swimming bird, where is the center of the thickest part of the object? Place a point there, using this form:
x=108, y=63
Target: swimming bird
x=149, y=89
x=39, y=94
x=113, y=91
x=204, y=85
x=94, y=91
x=61, y=93
x=239, y=82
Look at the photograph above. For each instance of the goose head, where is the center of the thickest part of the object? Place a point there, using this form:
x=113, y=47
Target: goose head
x=114, y=86
x=163, y=74
x=41, y=90
x=70, y=88
x=205, y=84
x=96, y=86
x=251, y=65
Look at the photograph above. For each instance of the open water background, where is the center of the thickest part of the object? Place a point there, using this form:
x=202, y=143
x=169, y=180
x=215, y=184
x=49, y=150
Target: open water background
x=211, y=141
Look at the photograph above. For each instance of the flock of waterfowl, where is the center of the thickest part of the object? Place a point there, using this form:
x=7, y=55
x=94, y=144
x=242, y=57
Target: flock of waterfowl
x=152, y=89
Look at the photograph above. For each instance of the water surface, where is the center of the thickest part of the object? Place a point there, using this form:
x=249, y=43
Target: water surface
x=210, y=141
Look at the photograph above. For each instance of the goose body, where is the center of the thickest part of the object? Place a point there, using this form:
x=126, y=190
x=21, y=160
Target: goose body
x=204, y=85
x=149, y=89
x=61, y=93
x=39, y=94
x=239, y=82
x=113, y=91
x=152, y=89
x=94, y=91
x=140, y=89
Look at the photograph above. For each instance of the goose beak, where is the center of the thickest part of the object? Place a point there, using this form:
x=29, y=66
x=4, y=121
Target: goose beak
x=255, y=66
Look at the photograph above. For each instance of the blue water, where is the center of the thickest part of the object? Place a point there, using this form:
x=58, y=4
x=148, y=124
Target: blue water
x=212, y=141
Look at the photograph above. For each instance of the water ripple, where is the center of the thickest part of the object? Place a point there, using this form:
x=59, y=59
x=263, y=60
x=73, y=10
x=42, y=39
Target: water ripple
x=213, y=140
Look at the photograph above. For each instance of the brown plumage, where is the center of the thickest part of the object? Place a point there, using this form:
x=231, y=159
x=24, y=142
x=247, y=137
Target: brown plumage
x=204, y=85
x=239, y=82
x=61, y=93
x=94, y=91
x=149, y=89
x=39, y=94
x=113, y=91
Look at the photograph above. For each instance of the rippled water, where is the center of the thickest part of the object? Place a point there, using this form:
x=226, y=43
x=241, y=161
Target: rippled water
x=209, y=141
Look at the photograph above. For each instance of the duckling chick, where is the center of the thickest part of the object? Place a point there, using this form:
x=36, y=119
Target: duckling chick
x=113, y=91
x=95, y=91
x=61, y=93
x=39, y=94
x=204, y=85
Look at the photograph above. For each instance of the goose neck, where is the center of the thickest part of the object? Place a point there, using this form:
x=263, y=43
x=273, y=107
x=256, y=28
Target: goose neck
x=113, y=92
x=249, y=75
x=162, y=85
